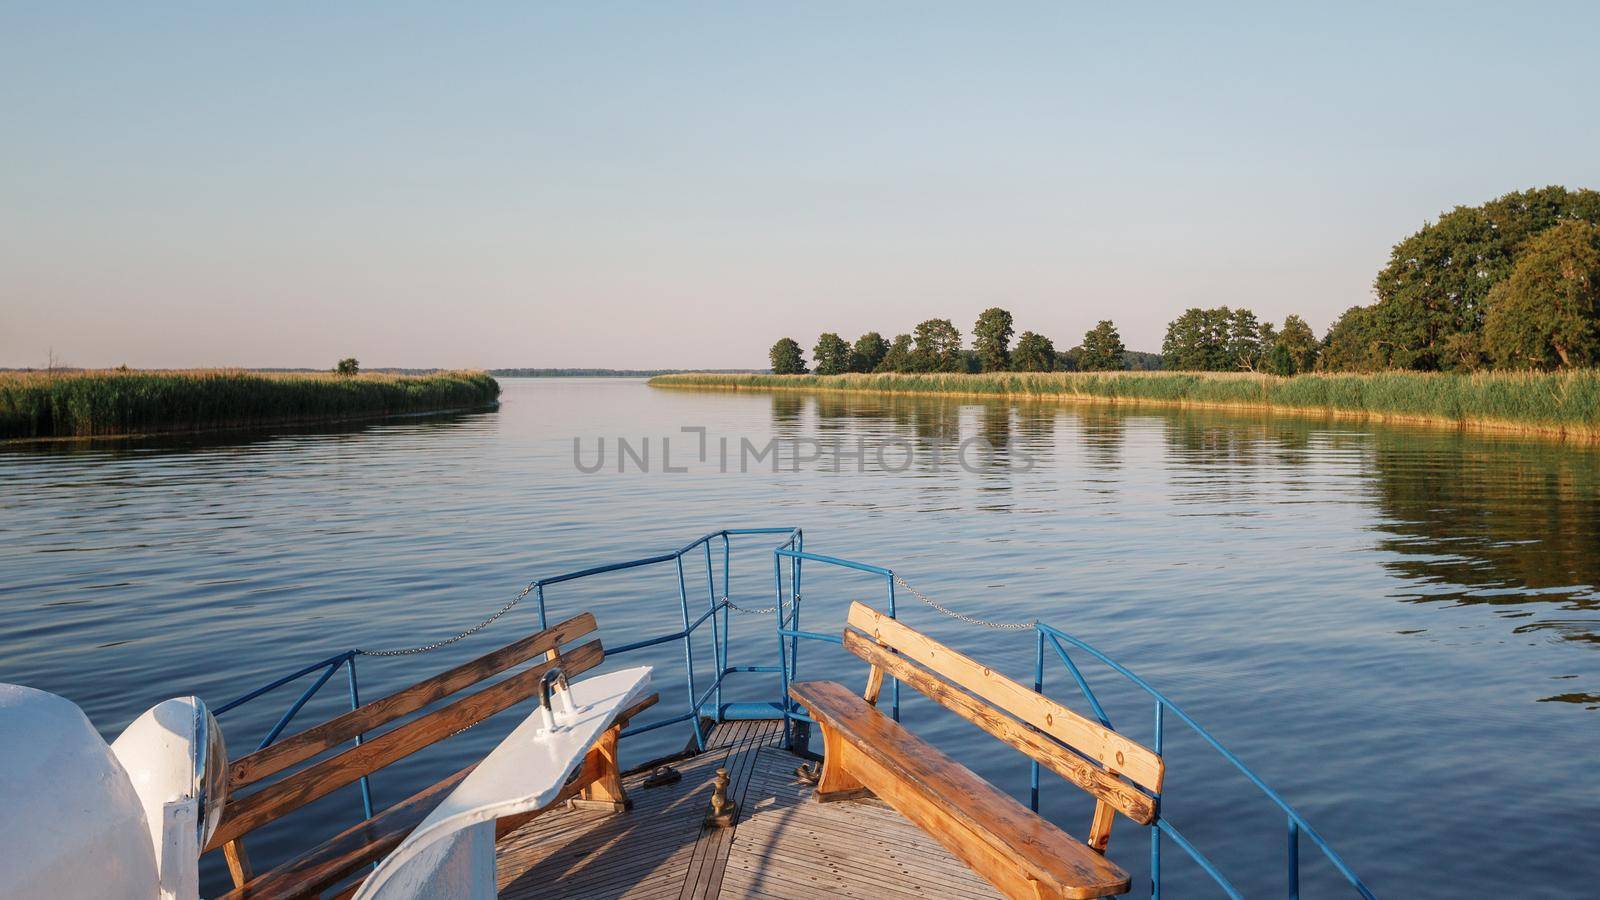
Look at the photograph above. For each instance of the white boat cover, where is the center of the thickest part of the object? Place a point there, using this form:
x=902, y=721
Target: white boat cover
x=71, y=823
x=451, y=854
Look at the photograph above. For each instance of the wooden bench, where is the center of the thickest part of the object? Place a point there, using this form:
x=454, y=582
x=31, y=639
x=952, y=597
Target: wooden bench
x=1023, y=855
x=309, y=874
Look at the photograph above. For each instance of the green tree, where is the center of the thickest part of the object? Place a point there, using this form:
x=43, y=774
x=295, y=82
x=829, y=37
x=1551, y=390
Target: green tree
x=991, y=338
x=786, y=358
x=1248, y=340
x=1438, y=280
x=1546, y=313
x=1299, y=347
x=1142, y=362
x=1197, y=341
x=938, y=347
x=898, y=358
x=868, y=352
x=1465, y=350
x=1278, y=361
x=348, y=366
x=1267, y=334
x=1034, y=353
x=1353, y=343
x=831, y=355
x=1102, y=349
x=1216, y=340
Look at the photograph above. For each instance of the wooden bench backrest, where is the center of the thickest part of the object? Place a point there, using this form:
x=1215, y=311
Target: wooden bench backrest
x=245, y=813
x=1104, y=763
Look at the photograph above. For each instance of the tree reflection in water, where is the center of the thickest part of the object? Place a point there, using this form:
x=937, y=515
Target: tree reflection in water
x=1462, y=518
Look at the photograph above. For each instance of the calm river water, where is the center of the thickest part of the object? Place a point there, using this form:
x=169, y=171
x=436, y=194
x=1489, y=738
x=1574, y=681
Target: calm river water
x=1397, y=628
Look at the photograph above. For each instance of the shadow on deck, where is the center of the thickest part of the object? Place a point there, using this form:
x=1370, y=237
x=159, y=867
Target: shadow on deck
x=783, y=845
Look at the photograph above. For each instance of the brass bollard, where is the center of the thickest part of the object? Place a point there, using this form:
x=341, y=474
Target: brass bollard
x=723, y=810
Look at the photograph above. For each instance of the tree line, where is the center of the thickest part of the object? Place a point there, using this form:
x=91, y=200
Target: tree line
x=936, y=346
x=1511, y=284
x=1223, y=339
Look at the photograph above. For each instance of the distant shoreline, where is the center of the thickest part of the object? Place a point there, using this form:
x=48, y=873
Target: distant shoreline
x=397, y=370
x=42, y=406
x=614, y=373
x=1558, y=405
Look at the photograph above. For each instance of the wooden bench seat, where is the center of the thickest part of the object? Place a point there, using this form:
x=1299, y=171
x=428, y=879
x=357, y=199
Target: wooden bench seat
x=324, y=866
x=349, y=850
x=1019, y=852
x=988, y=829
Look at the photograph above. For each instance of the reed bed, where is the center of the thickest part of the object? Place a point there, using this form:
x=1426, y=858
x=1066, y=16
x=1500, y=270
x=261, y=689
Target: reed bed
x=104, y=402
x=1566, y=404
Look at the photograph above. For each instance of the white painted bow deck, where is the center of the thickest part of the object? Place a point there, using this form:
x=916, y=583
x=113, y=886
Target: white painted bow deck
x=784, y=843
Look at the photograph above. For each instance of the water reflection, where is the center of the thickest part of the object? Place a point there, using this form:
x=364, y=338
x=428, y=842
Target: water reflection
x=1462, y=519
x=237, y=438
x=1504, y=524
x=786, y=408
x=1102, y=433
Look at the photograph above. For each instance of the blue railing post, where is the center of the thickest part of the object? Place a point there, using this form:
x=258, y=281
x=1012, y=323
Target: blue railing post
x=1083, y=683
x=310, y=692
x=538, y=600
x=716, y=631
x=1294, y=859
x=1038, y=688
x=1155, y=863
x=894, y=683
x=727, y=624
x=783, y=654
x=794, y=620
x=355, y=704
x=688, y=655
x=1155, y=833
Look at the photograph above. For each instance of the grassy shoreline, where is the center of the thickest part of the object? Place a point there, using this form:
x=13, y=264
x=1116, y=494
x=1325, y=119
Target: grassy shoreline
x=1564, y=405
x=110, y=403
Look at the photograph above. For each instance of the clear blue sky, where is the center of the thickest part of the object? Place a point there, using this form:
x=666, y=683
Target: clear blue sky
x=678, y=185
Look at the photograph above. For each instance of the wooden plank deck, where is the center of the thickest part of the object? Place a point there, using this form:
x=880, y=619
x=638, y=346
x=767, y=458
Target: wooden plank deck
x=784, y=845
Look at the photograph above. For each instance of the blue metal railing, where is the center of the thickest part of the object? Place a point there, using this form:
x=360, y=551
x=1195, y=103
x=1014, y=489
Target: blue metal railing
x=1297, y=826
x=716, y=612
x=789, y=625
x=793, y=539
x=788, y=632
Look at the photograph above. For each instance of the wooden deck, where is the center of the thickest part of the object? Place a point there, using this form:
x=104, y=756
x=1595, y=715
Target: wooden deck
x=784, y=844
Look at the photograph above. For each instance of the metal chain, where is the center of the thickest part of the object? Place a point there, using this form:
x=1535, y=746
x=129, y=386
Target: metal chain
x=764, y=611
x=424, y=648
x=958, y=616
